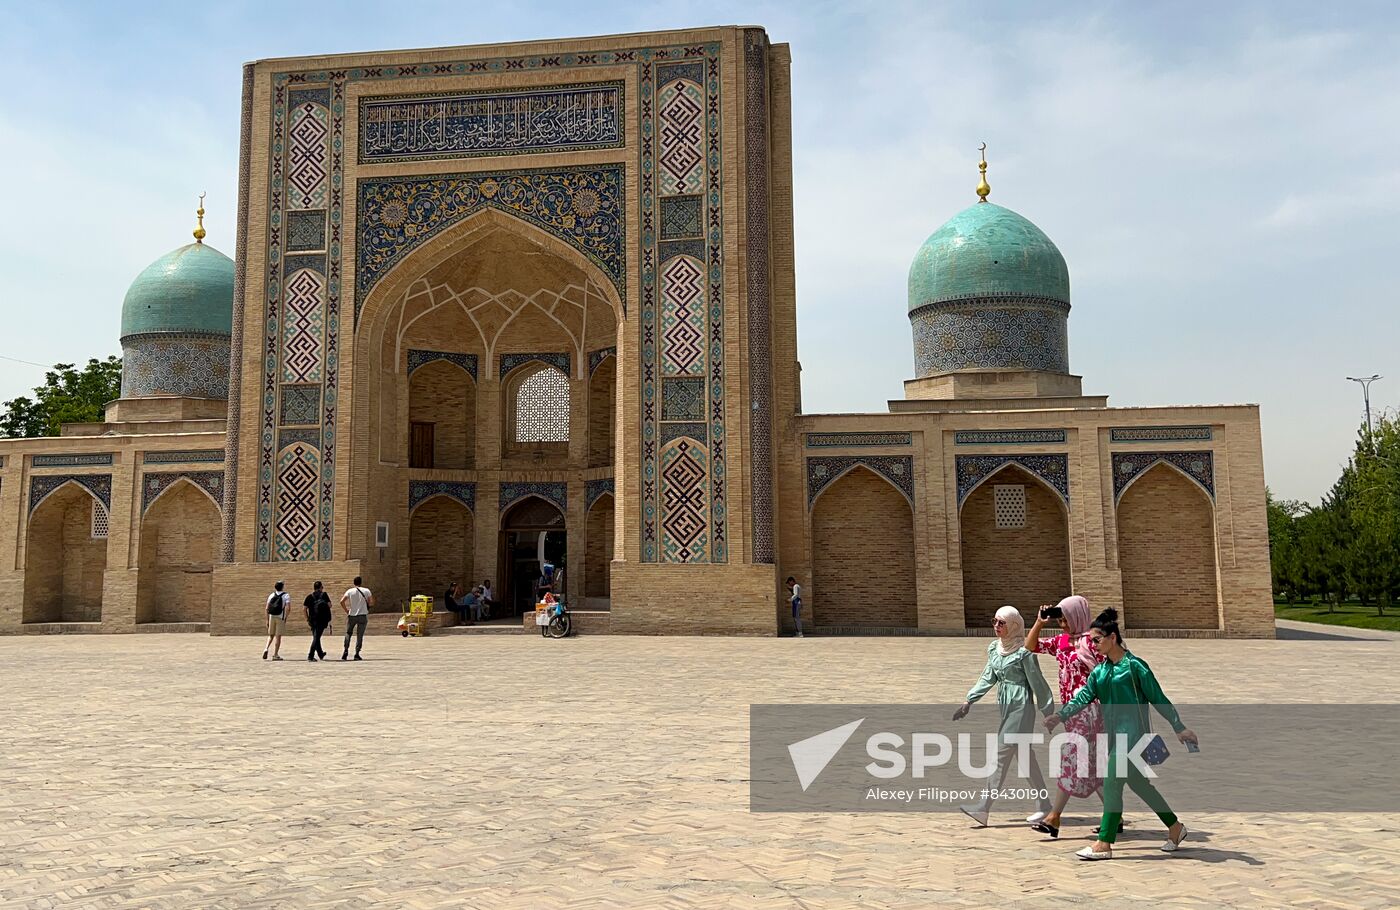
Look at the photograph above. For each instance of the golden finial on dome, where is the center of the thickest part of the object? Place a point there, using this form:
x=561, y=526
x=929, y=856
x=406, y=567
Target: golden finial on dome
x=984, y=188
x=199, y=228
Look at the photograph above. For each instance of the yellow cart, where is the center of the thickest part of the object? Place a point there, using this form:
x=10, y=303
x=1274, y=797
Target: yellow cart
x=420, y=613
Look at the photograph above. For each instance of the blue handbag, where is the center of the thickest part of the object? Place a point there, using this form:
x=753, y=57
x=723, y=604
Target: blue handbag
x=1156, y=751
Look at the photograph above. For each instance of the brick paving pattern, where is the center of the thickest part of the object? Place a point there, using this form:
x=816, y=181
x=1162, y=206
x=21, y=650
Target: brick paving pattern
x=179, y=771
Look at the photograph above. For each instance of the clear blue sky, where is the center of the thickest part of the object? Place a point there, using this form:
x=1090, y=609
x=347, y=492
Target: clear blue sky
x=1222, y=178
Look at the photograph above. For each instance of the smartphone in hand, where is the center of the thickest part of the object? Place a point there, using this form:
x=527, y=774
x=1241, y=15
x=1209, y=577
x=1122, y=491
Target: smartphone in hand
x=1193, y=747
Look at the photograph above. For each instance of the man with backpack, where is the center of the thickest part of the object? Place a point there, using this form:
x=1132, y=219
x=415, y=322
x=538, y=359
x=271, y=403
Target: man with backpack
x=277, y=603
x=356, y=602
x=318, y=616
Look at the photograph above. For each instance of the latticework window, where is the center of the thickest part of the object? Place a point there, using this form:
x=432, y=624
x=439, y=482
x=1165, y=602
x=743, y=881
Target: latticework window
x=99, y=521
x=542, y=407
x=1009, y=505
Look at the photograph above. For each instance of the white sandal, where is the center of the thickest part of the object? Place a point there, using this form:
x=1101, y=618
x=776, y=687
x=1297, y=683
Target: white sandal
x=1171, y=846
x=1090, y=853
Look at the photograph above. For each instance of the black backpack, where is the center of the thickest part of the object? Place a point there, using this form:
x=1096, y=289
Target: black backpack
x=274, y=603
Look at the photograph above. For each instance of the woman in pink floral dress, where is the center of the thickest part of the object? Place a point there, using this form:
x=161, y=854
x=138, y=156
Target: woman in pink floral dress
x=1076, y=657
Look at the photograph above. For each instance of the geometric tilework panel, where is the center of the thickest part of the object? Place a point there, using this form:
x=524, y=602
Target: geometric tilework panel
x=684, y=479
x=990, y=335
x=683, y=318
x=593, y=489
x=189, y=456
x=418, y=359
x=470, y=124
x=1160, y=434
x=187, y=365
x=681, y=162
x=973, y=469
x=70, y=461
x=1128, y=466
x=854, y=440
x=422, y=490
x=304, y=327
x=555, y=492
x=897, y=469
x=306, y=231
x=211, y=482
x=301, y=405
x=1007, y=437
x=581, y=206
x=99, y=485
x=298, y=469
x=307, y=174
x=562, y=362
x=680, y=217
x=683, y=399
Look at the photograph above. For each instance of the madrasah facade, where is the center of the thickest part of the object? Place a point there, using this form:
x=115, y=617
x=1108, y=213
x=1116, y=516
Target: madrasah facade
x=499, y=304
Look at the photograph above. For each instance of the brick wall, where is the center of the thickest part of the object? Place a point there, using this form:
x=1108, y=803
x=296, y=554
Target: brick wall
x=1166, y=549
x=179, y=541
x=862, y=555
x=63, y=577
x=440, y=542
x=598, y=552
x=441, y=393
x=1024, y=567
x=602, y=390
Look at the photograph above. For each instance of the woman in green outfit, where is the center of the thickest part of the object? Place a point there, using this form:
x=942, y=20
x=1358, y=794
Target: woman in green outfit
x=1020, y=687
x=1123, y=685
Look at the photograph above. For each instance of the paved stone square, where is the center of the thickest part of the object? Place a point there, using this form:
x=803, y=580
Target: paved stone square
x=180, y=771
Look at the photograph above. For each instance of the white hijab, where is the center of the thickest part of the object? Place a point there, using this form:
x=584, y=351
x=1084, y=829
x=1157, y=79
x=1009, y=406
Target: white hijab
x=1013, y=635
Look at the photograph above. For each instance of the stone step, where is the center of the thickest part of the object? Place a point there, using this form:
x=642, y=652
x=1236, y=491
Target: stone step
x=61, y=628
x=172, y=627
x=509, y=628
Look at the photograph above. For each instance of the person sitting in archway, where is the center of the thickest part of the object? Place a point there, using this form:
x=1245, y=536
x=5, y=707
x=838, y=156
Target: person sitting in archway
x=449, y=597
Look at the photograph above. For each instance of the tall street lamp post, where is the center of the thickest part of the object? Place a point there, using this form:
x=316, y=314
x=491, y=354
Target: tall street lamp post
x=1365, y=382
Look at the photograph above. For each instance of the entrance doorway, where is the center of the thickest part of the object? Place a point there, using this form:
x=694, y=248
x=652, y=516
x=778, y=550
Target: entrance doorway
x=532, y=533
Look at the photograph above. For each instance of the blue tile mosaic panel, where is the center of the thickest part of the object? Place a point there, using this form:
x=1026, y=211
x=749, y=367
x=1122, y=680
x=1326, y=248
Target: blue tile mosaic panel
x=857, y=440
x=990, y=334
x=973, y=469
x=560, y=361
x=187, y=456
x=491, y=122
x=824, y=469
x=555, y=492
x=71, y=461
x=301, y=404
x=1006, y=437
x=583, y=206
x=306, y=231
x=99, y=485
x=418, y=359
x=420, y=491
x=1129, y=466
x=1160, y=434
x=683, y=399
x=593, y=489
x=211, y=482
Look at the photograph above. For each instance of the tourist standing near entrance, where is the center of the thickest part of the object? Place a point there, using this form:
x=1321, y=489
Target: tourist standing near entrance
x=356, y=602
x=1123, y=685
x=1075, y=654
x=276, y=620
x=795, y=598
x=1020, y=688
x=488, y=600
x=318, y=616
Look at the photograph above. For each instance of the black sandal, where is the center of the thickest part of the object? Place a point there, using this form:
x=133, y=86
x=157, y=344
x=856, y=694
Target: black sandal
x=1046, y=828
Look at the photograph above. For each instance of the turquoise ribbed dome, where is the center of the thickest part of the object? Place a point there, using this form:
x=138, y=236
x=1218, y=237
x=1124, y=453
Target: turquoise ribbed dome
x=189, y=290
x=986, y=251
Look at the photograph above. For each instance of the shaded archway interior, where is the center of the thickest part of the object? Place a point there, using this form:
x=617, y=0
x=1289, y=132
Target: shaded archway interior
x=863, y=554
x=179, y=533
x=1166, y=553
x=494, y=366
x=65, y=563
x=1014, y=544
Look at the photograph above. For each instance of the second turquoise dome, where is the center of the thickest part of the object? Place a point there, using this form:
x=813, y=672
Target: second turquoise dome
x=186, y=290
x=987, y=251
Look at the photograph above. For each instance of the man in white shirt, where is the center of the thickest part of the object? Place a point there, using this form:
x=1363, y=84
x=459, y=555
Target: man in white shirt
x=356, y=602
x=795, y=598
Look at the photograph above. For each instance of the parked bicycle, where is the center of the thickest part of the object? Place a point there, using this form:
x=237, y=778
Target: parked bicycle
x=558, y=623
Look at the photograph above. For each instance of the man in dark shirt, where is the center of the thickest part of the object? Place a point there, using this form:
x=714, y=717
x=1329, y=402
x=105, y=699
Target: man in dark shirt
x=318, y=615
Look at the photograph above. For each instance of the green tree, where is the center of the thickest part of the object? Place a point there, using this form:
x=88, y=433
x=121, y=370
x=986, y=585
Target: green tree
x=1376, y=510
x=68, y=395
x=1285, y=556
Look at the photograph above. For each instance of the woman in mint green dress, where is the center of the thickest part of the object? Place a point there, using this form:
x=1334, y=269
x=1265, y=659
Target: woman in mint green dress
x=1020, y=688
x=1123, y=685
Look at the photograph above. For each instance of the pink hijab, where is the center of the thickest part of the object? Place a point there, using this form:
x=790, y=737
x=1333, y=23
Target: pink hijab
x=1078, y=616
